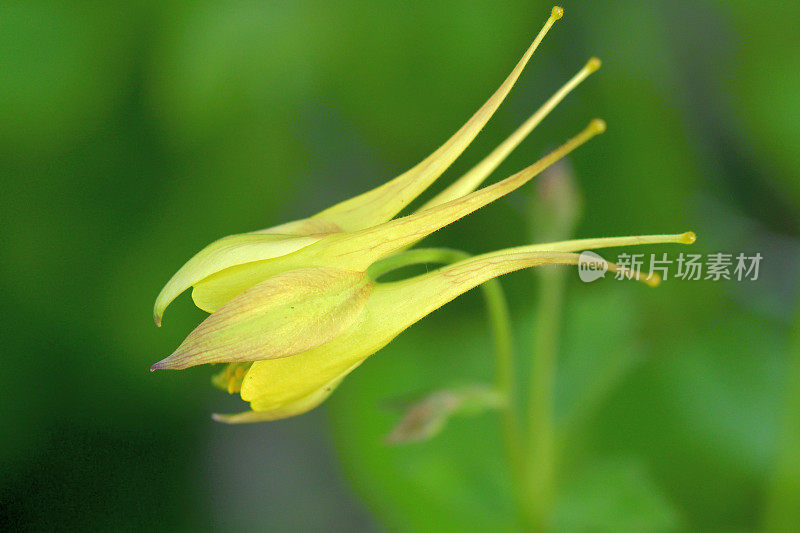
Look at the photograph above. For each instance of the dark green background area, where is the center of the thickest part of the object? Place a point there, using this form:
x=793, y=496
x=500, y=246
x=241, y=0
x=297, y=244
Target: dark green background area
x=134, y=133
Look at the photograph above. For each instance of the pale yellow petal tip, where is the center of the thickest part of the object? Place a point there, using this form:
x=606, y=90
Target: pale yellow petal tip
x=593, y=64
x=689, y=237
x=597, y=126
x=160, y=306
x=557, y=12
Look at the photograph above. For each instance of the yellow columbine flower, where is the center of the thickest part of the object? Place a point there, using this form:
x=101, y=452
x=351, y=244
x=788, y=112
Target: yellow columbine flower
x=295, y=308
x=305, y=330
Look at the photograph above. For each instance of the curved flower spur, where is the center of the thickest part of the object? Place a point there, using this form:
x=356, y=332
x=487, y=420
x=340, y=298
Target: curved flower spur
x=296, y=307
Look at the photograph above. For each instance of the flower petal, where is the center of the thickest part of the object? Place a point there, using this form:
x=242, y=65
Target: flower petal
x=295, y=408
x=384, y=202
x=224, y=253
x=287, y=314
x=303, y=227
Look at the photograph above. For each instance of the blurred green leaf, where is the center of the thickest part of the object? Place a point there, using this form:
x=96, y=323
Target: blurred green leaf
x=614, y=495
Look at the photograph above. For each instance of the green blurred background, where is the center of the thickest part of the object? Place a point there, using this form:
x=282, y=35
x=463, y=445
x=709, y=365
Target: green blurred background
x=134, y=133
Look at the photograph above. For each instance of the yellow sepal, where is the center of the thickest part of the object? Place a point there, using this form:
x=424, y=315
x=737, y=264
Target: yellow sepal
x=225, y=253
x=287, y=314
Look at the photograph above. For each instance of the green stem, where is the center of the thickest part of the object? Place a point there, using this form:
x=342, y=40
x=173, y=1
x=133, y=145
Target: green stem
x=497, y=308
x=505, y=382
x=542, y=459
x=783, y=506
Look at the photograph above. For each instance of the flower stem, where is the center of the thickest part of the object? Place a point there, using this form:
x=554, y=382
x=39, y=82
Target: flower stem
x=541, y=471
x=505, y=382
x=497, y=308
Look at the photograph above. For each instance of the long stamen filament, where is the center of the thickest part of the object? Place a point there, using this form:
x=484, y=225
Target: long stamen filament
x=472, y=179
